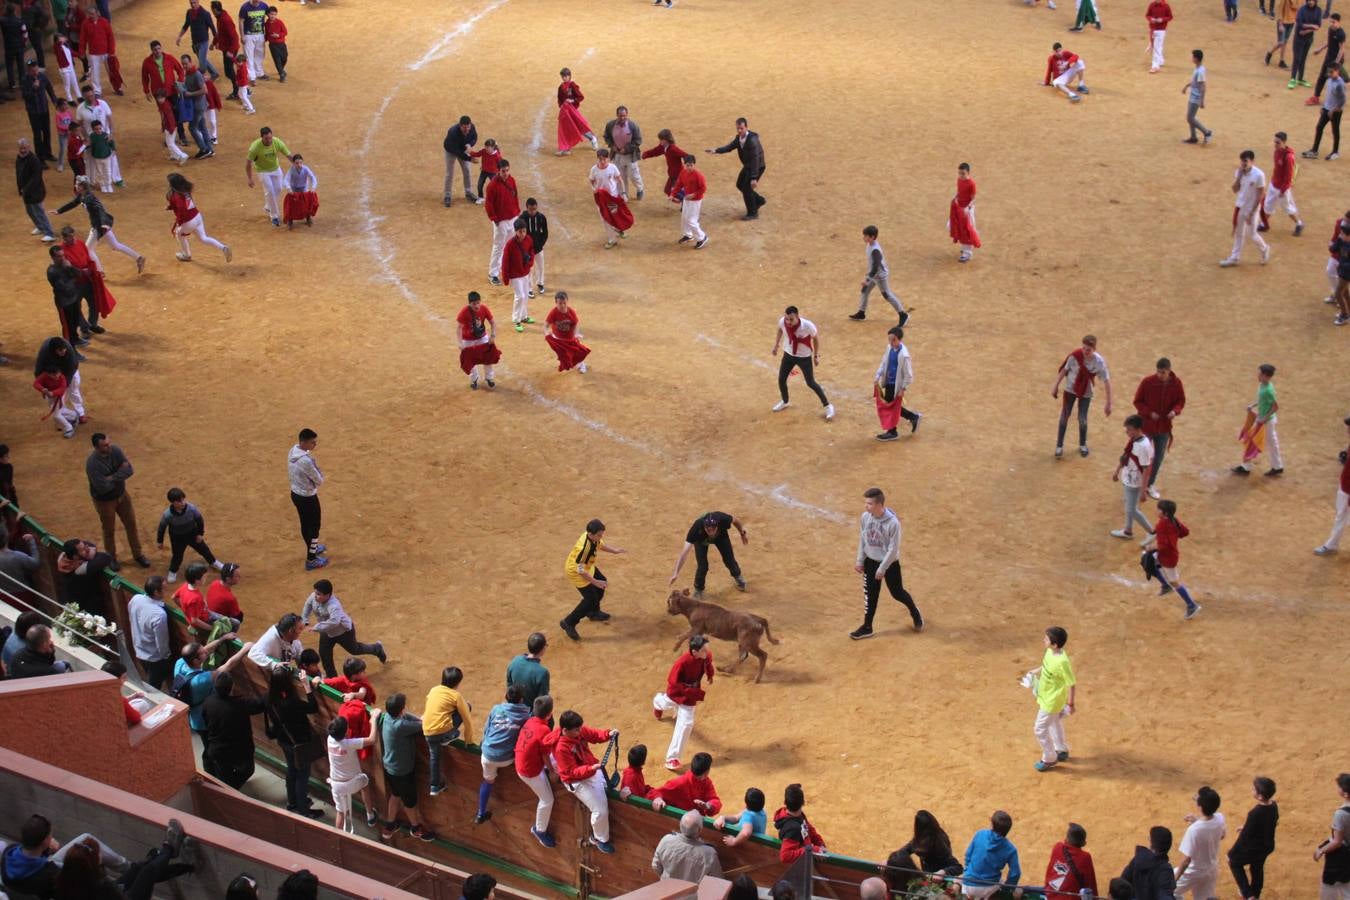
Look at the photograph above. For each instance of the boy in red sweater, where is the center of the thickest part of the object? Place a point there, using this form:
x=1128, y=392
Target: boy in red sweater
x=580, y=771
x=501, y=202
x=1070, y=867
x=169, y=124
x=243, y=86
x=490, y=157
x=690, y=188
x=1159, y=399
x=683, y=690
x=694, y=789
x=560, y=331
x=632, y=783
x=275, y=33
x=477, y=340
x=1168, y=532
x=674, y=158
x=531, y=765
x=517, y=260
x=51, y=384
x=797, y=836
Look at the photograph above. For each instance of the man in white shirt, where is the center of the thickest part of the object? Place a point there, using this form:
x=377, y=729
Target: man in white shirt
x=801, y=351
x=279, y=645
x=1198, y=872
x=1079, y=369
x=605, y=176
x=1249, y=184
x=1132, y=472
x=149, y=622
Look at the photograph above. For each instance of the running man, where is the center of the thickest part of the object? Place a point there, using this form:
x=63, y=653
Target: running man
x=802, y=351
x=878, y=276
x=1079, y=369
x=1281, y=191
x=589, y=581
x=262, y=156
x=1249, y=184
x=879, y=560
x=711, y=529
x=684, y=689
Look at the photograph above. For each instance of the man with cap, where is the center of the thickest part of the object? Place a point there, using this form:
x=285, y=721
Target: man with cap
x=37, y=90
x=459, y=140
x=711, y=529
x=28, y=174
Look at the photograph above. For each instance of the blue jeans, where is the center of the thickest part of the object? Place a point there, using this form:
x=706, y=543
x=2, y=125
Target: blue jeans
x=1160, y=445
x=199, y=133
x=39, y=217
x=436, y=744
x=204, y=60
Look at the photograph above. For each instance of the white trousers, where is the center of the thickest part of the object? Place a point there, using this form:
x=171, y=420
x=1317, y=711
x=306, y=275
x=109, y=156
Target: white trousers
x=1273, y=444
x=1199, y=886
x=113, y=242
x=1275, y=199
x=70, y=83
x=211, y=124
x=246, y=97
x=195, y=224
x=175, y=152
x=520, y=303
x=74, y=396
x=98, y=64
x=1156, y=39
x=689, y=210
x=1342, y=519
x=539, y=268
x=501, y=233
x=1333, y=277
x=65, y=419
x=1338, y=891
x=343, y=790
x=274, y=188
x=100, y=173
x=490, y=768
x=629, y=172
x=591, y=792
x=1244, y=232
x=1074, y=71
x=253, y=49
x=684, y=724
x=544, y=791
x=1050, y=733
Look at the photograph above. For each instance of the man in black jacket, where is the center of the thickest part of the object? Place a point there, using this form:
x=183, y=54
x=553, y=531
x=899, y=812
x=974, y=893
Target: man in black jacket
x=64, y=279
x=108, y=469
x=229, y=735
x=38, y=656
x=536, y=226
x=459, y=140
x=28, y=175
x=751, y=153
x=37, y=90
x=1150, y=872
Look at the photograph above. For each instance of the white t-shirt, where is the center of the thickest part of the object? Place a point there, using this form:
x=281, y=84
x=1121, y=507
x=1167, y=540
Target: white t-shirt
x=343, y=763
x=1094, y=364
x=1250, y=188
x=1141, y=455
x=86, y=116
x=805, y=329
x=607, y=179
x=1201, y=843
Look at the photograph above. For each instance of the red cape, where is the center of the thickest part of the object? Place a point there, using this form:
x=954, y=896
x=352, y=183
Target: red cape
x=614, y=210
x=570, y=351
x=888, y=413
x=960, y=226
x=481, y=354
x=78, y=254
x=572, y=127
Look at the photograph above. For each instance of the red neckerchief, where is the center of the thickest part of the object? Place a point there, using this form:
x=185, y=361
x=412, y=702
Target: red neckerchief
x=793, y=340
x=1084, y=378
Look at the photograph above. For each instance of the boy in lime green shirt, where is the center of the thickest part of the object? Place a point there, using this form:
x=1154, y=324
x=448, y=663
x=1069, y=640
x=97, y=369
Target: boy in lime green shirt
x=1265, y=408
x=1055, y=689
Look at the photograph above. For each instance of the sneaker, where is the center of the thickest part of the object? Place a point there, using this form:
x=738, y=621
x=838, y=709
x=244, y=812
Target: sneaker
x=372, y=819
x=1074, y=98
x=388, y=830
x=1293, y=83
x=435, y=789
x=518, y=326
x=1298, y=229
x=1283, y=64
x=1059, y=453
x=530, y=294
x=888, y=436
x=1062, y=756
x=1209, y=135
x=1042, y=766
x=171, y=577
x=380, y=654
x=904, y=318
x=423, y=834
x=143, y=561
x=1268, y=56
x=1191, y=140
x=581, y=367
x=1314, y=100
x=829, y=411
x=1227, y=263
x=1241, y=470
x=1083, y=89
x=472, y=197
x=1192, y=611
x=599, y=616
x=83, y=420
x=140, y=264
x=1324, y=550
x=1340, y=319
x=1328, y=299
x=540, y=288
x=311, y=812
x=858, y=316
x=494, y=280
x=528, y=320
x=914, y=422
x=183, y=257
x=610, y=245
x=1122, y=534
x=674, y=765
x=780, y=406
x=861, y=633
x=1083, y=452
x=1265, y=254
x=698, y=593
x=48, y=238
x=1164, y=590
x=36, y=231
x=317, y=562
x=229, y=254
x=491, y=384
x=685, y=239
x=604, y=846
x=482, y=817
x=701, y=244
x=740, y=584
x=445, y=201
x=543, y=837
x=656, y=714
x=1274, y=473
x=917, y=623
x=569, y=630
x=1153, y=493
x=641, y=193
x=320, y=549
x=963, y=257
x=1309, y=154
x=473, y=383
x=1333, y=155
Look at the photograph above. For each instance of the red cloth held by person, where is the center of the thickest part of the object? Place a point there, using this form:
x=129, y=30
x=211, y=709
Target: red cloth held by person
x=959, y=223
x=561, y=337
x=614, y=210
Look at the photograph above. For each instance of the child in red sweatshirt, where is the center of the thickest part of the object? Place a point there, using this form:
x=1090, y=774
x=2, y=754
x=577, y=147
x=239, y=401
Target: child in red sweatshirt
x=1168, y=532
x=632, y=783
x=490, y=156
x=798, y=836
x=1070, y=867
x=243, y=86
x=51, y=384
x=275, y=32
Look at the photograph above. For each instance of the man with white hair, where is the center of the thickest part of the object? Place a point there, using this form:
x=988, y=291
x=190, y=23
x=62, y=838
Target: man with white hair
x=873, y=889
x=685, y=855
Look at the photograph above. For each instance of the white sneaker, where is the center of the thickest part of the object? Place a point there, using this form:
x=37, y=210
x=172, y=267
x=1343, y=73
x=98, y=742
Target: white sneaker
x=780, y=406
x=172, y=577
x=47, y=239
x=581, y=367
x=36, y=231
x=1228, y=263
x=1153, y=492
x=1122, y=534
x=829, y=411
x=1265, y=255
x=1051, y=4
x=1324, y=550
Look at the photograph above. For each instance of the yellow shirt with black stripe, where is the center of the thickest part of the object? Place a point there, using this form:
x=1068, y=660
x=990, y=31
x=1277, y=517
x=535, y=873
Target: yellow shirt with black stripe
x=582, y=557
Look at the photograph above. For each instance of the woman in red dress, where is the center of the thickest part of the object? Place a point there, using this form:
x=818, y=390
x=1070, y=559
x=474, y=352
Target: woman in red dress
x=572, y=125
x=961, y=217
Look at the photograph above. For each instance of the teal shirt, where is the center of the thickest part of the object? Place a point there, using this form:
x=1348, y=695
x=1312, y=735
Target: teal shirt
x=1265, y=400
x=399, y=738
x=530, y=674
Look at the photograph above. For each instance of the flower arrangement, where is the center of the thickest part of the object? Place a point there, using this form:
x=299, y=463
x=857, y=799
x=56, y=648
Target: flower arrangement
x=74, y=620
x=933, y=889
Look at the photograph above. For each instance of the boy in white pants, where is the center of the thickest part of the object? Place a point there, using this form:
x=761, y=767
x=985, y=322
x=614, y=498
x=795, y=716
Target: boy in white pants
x=65, y=63
x=1055, y=689
x=1198, y=873
x=690, y=189
x=532, y=765
x=581, y=773
x=1265, y=408
x=1333, y=542
x=344, y=768
x=684, y=690
x=1249, y=183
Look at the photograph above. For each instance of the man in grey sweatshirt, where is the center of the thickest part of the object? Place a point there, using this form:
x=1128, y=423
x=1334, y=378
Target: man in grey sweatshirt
x=305, y=479
x=878, y=560
x=335, y=627
x=108, y=470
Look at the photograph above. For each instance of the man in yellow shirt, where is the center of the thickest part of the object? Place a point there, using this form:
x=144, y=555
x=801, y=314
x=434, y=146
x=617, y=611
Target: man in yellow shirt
x=445, y=718
x=586, y=578
x=262, y=156
x=1054, y=698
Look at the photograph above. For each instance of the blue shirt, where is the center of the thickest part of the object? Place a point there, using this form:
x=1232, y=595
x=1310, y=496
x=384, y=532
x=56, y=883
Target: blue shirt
x=502, y=730
x=758, y=821
x=986, y=856
x=892, y=364
x=202, y=687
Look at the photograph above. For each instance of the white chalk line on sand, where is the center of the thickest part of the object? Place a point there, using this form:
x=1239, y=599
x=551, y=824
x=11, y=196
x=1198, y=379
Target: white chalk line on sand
x=769, y=367
x=384, y=255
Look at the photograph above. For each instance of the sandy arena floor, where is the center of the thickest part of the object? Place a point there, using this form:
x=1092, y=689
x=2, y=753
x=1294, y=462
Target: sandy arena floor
x=448, y=513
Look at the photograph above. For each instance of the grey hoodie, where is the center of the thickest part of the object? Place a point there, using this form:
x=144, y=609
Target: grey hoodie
x=879, y=539
x=304, y=472
x=330, y=618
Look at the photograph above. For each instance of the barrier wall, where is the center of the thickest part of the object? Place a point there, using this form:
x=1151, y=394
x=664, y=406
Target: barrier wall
x=503, y=845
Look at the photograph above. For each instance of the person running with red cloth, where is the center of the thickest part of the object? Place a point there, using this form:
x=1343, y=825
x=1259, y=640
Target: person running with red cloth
x=572, y=125
x=674, y=158
x=683, y=691
x=607, y=183
x=99, y=299
x=961, y=215
x=477, y=340
x=561, y=333
x=188, y=219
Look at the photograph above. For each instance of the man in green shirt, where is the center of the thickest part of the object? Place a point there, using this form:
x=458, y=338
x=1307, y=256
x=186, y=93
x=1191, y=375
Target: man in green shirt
x=264, y=156
x=527, y=671
x=1265, y=409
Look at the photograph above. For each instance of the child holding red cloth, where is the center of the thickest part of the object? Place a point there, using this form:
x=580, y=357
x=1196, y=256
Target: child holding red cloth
x=477, y=340
x=1168, y=532
x=961, y=216
x=572, y=125
x=560, y=331
x=302, y=199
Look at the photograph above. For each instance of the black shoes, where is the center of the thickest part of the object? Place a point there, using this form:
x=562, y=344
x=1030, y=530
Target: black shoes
x=569, y=630
x=858, y=316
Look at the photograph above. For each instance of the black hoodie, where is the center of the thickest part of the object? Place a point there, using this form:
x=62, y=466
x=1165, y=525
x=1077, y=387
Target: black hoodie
x=1151, y=875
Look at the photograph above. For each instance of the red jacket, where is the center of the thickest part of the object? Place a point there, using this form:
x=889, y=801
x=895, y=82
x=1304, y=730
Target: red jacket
x=96, y=38
x=166, y=118
x=351, y=685
x=52, y=382
x=1282, y=175
x=530, y=750
x=572, y=756
x=1059, y=61
x=694, y=185
x=1162, y=397
x=635, y=783
x=683, y=681
x=682, y=791
x=489, y=157
x=1167, y=535
x=227, y=35
x=151, y=80
x=62, y=52
x=358, y=722
x=1068, y=872
x=674, y=160
x=518, y=257
x=568, y=90
x=796, y=835
x=1158, y=15
x=275, y=31
x=212, y=95
x=501, y=200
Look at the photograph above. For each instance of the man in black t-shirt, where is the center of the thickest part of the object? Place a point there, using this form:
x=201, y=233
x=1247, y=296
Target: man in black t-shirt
x=711, y=529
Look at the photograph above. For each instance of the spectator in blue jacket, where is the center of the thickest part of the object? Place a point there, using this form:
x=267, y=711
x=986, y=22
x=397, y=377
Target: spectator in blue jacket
x=989, y=851
x=499, y=743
